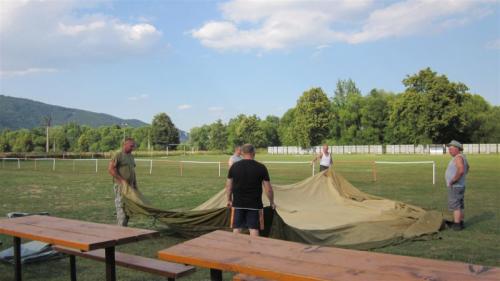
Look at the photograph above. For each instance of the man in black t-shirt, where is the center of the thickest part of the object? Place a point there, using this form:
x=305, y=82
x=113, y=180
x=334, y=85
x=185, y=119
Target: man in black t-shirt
x=245, y=180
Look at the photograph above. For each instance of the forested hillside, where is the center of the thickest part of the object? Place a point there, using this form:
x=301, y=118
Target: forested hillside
x=18, y=113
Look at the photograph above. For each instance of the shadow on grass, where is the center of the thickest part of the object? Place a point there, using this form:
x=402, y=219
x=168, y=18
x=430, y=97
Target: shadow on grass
x=45, y=270
x=485, y=216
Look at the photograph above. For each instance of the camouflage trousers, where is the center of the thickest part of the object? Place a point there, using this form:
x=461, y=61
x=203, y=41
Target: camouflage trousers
x=121, y=216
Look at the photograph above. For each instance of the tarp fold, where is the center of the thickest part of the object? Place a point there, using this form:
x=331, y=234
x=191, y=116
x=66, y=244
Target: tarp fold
x=324, y=209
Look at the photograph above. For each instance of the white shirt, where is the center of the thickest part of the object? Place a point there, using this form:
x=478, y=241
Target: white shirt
x=326, y=160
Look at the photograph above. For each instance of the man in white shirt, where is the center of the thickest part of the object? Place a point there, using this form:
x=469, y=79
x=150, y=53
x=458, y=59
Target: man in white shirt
x=326, y=159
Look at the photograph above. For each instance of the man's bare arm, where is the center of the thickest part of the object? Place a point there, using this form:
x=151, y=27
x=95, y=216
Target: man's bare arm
x=114, y=173
x=229, y=192
x=459, y=163
x=318, y=156
x=268, y=189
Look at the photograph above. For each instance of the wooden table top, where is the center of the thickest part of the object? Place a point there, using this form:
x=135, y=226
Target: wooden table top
x=76, y=234
x=283, y=260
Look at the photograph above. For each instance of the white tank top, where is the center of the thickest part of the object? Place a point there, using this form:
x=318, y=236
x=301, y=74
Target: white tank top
x=326, y=160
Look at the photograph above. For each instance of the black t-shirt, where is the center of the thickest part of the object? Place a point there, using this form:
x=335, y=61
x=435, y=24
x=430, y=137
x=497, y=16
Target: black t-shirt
x=248, y=176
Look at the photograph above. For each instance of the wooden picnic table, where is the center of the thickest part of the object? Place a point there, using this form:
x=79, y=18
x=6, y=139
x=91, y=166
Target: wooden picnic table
x=283, y=260
x=81, y=235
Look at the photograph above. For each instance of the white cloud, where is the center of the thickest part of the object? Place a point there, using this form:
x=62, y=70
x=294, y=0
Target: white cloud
x=217, y=112
x=415, y=16
x=495, y=44
x=268, y=25
x=24, y=72
x=137, y=98
x=56, y=34
x=216, y=109
x=184, y=106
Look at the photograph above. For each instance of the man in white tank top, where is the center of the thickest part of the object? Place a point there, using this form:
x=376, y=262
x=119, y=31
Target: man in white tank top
x=326, y=159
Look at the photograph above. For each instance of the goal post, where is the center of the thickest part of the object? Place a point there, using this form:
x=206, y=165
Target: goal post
x=150, y=161
x=83, y=161
x=18, y=160
x=53, y=160
x=412, y=163
x=370, y=163
x=199, y=162
x=292, y=162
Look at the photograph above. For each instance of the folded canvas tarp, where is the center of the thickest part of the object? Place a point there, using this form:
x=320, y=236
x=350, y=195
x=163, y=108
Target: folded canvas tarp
x=33, y=251
x=323, y=210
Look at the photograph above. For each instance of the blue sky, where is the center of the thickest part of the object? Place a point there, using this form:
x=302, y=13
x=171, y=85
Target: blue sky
x=199, y=61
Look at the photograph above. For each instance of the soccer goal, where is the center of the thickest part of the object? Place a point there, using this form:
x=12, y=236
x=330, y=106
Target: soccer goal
x=432, y=163
x=8, y=162
x=276, y=164
x=186, y=165
x=44, y=163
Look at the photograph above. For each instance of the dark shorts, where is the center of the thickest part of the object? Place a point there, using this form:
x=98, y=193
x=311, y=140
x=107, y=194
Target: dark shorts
x=456, y=198
x=322, y=168
x=244, y=218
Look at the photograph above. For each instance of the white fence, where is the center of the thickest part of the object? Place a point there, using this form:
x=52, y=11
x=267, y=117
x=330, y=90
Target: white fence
x=488, y=148
x=92, y=165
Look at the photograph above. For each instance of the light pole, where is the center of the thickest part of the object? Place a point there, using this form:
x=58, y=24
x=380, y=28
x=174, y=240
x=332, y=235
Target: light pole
x=47, y=121
x=124, y=125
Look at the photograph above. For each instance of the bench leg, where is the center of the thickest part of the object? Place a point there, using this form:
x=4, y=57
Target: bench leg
x=215, y=275
x=72, y=267
x=110, y=264
x=17, y=259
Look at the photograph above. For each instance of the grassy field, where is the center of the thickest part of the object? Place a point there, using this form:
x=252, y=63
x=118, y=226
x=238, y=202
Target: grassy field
x=86, y=195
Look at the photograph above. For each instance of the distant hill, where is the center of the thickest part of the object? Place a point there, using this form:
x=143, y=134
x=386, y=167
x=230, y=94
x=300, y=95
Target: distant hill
x=18, y=113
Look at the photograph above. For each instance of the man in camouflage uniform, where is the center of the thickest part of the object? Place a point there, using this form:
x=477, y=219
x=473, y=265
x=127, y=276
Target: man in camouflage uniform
x=122, y=168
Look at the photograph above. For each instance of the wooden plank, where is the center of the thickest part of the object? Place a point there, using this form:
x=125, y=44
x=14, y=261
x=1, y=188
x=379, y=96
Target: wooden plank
x=108, y=232
x=281, y=260
x=271, y=268
x=246, y=277
x=268, y=267
x=329, y=255
x=74, y=240
x=158, y=267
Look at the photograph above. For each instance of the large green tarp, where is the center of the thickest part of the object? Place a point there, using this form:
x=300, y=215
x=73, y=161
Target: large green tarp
x=324, y=209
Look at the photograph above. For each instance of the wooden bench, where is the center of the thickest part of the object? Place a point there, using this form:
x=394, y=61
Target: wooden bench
x=154, y=266
x=246, y=277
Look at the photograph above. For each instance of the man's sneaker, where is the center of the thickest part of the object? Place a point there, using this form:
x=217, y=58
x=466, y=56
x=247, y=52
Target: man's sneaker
x=457, y=226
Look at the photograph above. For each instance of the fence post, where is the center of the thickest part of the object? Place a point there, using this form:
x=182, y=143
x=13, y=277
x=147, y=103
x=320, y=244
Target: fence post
x=18, y=163
x=151, y=166
x=35, y=164
x=314, y=167
x=54, y=164
x=219, y=168
x=374, y=171
x=433, y=172
x=180, y=165
x=96, y=165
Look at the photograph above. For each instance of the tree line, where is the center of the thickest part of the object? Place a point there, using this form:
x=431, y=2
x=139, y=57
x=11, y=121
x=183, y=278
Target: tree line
x=431, y=109
x=73, y=137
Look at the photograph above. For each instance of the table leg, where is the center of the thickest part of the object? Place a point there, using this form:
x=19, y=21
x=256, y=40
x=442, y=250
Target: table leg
x=72, y=267
x=17, y=259
x=215, y=274
x=110, y=264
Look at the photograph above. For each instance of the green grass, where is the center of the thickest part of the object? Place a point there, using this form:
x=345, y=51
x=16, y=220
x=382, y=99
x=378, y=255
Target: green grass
x=88, y=196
